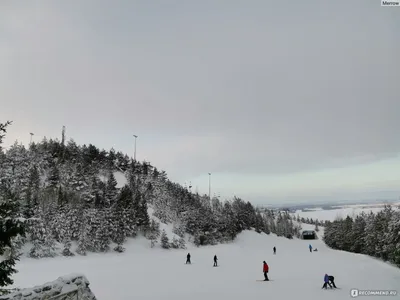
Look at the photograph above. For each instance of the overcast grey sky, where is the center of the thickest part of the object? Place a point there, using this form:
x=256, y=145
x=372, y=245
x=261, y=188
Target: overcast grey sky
x=270, y=96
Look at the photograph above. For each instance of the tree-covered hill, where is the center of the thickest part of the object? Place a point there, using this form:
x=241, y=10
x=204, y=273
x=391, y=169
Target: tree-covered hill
x=68, y=194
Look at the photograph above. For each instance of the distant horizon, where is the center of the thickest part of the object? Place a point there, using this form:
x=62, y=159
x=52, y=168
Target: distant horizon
x=332, y=203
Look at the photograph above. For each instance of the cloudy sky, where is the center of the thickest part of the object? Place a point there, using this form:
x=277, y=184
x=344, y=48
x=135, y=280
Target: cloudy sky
x=279, y=100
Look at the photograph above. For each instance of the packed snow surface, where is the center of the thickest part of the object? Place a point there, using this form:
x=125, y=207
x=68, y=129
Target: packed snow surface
x=145, y=273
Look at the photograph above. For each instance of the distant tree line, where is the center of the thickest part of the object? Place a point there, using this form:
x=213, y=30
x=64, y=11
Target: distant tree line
x=374, y=234
x=310, y=221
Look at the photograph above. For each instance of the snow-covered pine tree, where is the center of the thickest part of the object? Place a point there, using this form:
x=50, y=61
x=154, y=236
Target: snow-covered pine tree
x=297, y=231
x=259, y=223
x=102, y=234
x=358, y=234
x=280, y=226
x=123, y=207
x=74, y=220
x=174, y=243
x=96, y=193
x=332, y=234
x=266, y=224
x=178, y=229
x=316, y=226
x=119, y=237
x=42, y=240
x=345, y=232
x=10, y=227
x=142, y=215
x=182, y=243
x=393, y=238
x=67, y=249
x=164, y=240
x=119, y=228
x=84, y=243
x=370, y=238
x=384, y=216
x=32, y=196
x=111, y=190
x=60, y=226
x=230, y=222
x=54, y=176
x=79, y=186
x=153, y=233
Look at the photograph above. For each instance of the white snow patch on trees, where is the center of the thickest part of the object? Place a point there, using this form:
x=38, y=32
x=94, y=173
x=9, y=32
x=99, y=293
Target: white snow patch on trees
x=119, y=176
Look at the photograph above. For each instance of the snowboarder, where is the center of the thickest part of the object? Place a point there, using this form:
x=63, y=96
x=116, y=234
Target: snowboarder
x=310, y=247
x=265, y=270
x=326, y=282
x=215, y=261
x=188, y=259
x=332, y=281
x=274, y=250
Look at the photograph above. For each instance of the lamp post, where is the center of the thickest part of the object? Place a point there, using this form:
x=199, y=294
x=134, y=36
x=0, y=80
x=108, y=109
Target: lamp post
x=134, y=154
x=209, y=186
x=31, y=138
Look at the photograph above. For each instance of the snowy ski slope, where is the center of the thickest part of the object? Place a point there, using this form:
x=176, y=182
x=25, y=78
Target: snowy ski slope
x=144, y=273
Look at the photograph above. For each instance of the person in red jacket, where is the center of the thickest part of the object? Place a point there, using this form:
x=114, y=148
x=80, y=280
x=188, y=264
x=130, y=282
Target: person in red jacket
x=265, y=270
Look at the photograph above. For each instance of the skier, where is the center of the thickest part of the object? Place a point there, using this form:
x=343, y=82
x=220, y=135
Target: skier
x=265, y=270
x=274, y=250
x=188, y=259
x=310, y=247
x=332, y=281
x=215, y=261
x=326, y=282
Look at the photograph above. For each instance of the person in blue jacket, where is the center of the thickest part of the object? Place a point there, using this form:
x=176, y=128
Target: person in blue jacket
x=309, y=246
x=326, y=282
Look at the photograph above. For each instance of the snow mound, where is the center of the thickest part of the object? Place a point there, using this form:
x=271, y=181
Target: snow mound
x=72, y=285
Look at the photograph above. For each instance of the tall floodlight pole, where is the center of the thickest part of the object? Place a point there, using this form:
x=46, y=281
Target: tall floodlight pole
x=31, y=138
x=134, y=154
x=209, y=186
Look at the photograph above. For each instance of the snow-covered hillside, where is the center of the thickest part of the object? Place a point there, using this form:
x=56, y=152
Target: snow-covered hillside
x=143, y=273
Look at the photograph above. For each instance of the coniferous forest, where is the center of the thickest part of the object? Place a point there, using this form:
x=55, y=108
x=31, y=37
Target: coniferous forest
x=374, y=234
x=67, y=194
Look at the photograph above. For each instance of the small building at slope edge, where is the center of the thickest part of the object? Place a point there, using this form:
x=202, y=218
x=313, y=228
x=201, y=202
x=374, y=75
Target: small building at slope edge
x=309, y=235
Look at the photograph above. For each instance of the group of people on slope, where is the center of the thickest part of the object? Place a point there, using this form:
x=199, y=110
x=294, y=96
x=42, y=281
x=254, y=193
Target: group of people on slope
x=328, y=279
x=189, y=262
